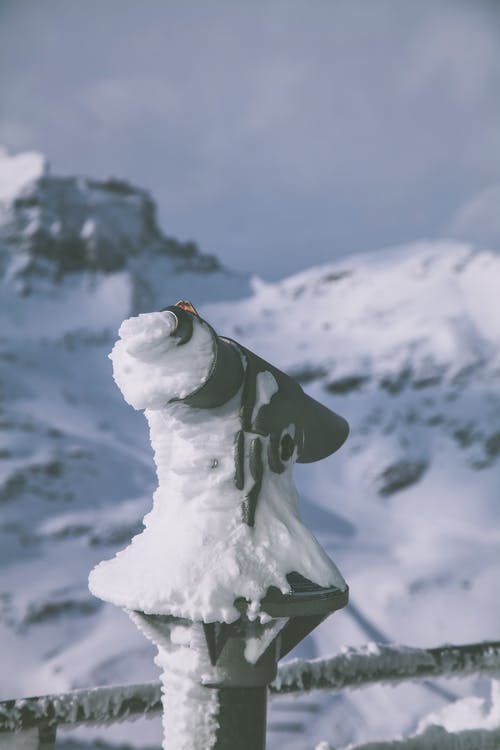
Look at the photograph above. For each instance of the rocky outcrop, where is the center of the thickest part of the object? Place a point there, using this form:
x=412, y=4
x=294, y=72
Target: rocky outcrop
x=59, y=225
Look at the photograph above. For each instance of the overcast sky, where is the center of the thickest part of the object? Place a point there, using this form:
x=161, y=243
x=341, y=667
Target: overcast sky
x=276, y=134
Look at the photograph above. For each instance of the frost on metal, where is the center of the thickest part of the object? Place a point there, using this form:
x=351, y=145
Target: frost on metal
x=356, y=667
x=189, y=709
x=350, y=669
x=101, y=705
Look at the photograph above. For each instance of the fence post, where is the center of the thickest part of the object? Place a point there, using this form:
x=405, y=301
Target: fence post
x=215, y=676
x=242, y=718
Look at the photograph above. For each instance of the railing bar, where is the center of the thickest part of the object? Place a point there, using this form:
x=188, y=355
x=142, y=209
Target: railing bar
x=351, y=669
x=95, y=706
x=359, y=667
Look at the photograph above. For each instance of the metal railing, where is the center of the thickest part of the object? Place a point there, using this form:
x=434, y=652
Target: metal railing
x=352, y=668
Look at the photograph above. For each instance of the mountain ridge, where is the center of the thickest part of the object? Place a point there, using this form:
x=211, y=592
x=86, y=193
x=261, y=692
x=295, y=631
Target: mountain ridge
x=53, y=229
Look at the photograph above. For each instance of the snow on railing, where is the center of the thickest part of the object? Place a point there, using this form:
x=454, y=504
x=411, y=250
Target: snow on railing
x=353, y=668
x=102, y=705
x=357, y=667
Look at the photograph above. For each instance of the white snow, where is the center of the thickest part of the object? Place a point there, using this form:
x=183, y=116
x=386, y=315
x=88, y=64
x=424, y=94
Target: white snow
x=266, y=386
x=77, y=306
x=472, y=712
x=196, y=555
x=150, y=368
x=17, y=171
x=88, y=229
x=190, y=710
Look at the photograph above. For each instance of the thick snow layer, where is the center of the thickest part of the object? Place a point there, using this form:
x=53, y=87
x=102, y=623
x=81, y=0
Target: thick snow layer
x=196, y=555
x=151, y=369
x=18, y=171
x=190, y=710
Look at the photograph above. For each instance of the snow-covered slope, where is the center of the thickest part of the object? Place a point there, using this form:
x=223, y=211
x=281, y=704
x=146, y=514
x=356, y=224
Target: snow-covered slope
x=404, y=343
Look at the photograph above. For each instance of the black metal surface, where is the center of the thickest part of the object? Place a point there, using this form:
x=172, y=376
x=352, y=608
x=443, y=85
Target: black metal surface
x=305, y=599
x=256, y=464
x=239, y=460
x=242, y=718
x=216, y=635
x=184, y=329
x=319, y=431
x=223, y=380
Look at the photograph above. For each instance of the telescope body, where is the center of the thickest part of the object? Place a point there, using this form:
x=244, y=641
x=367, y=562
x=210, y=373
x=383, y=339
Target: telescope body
x=225, y=579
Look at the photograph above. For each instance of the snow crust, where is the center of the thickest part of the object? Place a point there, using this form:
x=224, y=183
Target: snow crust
x=151, y=369
x=190, y=709
x=196, y=555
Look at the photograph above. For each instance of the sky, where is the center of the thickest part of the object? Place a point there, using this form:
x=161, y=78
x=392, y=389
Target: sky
x=277, y=134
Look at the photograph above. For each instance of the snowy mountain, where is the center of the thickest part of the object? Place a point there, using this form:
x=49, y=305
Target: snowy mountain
x=403, y=343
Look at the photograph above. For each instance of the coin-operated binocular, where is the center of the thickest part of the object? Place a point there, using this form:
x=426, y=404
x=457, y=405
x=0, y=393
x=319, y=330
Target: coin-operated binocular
x=224, y=579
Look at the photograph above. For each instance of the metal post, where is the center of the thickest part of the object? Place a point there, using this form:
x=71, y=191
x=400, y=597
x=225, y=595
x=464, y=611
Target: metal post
x=214, y=687
x=242, y=718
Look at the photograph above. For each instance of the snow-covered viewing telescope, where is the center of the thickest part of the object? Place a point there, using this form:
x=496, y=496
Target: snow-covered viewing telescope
x=225, y=579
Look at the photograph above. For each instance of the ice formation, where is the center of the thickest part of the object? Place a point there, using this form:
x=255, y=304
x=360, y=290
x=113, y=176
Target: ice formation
x=190, y=715
x=196, y=555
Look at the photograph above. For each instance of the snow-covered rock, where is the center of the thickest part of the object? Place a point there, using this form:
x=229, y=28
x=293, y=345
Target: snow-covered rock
x=56, y=225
